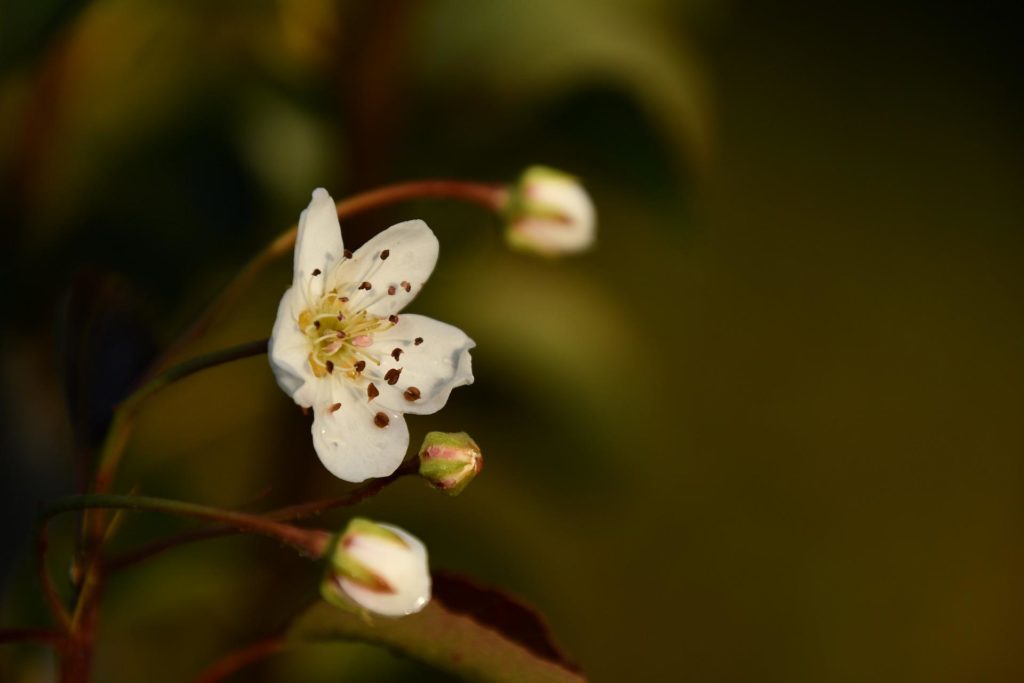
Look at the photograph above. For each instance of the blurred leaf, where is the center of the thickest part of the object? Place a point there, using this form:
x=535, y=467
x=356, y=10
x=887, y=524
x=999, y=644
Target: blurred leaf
x=475, y=632
x=530, y=50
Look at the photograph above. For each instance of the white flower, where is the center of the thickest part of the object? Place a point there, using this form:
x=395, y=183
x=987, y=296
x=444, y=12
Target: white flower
x=379, y=567
x=340, y=347
x=550, y=213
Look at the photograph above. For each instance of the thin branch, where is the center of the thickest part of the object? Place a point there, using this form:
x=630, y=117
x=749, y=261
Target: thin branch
x=285, y=514
x=235, y=661
x=53, y=600
x=311, y=542
x=117, y=437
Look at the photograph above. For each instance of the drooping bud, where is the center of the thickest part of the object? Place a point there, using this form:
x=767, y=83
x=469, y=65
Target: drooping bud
x=449, y=461
x=549, y=213
x=379, y=568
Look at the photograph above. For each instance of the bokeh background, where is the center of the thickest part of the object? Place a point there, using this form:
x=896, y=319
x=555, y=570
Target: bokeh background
x=770, y=429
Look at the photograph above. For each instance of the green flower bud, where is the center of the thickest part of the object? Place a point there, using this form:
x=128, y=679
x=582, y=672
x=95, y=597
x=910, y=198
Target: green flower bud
x=449, y=461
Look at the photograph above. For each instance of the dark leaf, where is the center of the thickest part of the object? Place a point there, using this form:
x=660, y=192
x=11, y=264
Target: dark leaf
x=475, y=632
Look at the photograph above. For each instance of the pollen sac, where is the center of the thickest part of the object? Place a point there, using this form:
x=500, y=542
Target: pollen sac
x=449, y=461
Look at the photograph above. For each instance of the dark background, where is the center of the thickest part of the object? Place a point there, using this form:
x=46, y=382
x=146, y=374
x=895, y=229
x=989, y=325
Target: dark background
x=770, y=429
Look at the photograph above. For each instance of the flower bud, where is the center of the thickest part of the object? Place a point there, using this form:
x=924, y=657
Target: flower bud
x=379, y=568
x=549, y=213
x=450, y=461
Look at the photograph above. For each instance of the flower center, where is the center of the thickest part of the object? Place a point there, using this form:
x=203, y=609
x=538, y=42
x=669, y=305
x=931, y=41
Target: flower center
x=339, y=337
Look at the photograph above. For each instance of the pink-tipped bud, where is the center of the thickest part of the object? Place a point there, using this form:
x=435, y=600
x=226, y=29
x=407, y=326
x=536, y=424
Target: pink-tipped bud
x=449, y=461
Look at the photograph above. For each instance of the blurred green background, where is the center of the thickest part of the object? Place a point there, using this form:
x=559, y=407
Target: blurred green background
x=770, y=429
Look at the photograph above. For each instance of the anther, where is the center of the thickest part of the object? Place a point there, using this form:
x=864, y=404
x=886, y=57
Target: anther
x=372, y=391
x=396, y=353
x=392, y=290
x=330, y=366
x=384, y=254
x=334, y=407
x=406, y=286
x=412, y=394
x=365, y=285
x=347, y=253
x=391, y=376
x=417, y=341
x=393, y=319
x=343, y=299
x=316, y=271
x=381, y=420
x=360, y=365
x=316, y=324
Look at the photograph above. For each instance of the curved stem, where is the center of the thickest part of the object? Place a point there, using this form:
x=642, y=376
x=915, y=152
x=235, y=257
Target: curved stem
x=53, y=600
x=285, y=514
x=308, y=541
x=235, y=661
x=124, y=416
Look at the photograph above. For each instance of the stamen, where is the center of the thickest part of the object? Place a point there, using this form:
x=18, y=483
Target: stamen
x=347, y=253
x=372, y=391
x=330, y=366
x=365, y=285
x=391, y=376
x=360, y=365
x=334, y=407
x=384, y=254
x=417, y=341
x=316, y=271
x=316, y=324
x=393, y=319
x=411, y=394
x=396, y=353
x=381, y=420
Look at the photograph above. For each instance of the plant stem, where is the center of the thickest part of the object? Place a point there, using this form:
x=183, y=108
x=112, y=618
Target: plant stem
x=124, y=416
x=235, y=661
x=308, y=541
x=286, y=514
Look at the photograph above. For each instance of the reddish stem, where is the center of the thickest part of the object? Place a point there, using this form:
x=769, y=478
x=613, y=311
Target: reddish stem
x=286, y=514
x=237, y=660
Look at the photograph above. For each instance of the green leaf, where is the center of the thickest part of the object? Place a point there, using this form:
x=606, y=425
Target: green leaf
x=478, y=633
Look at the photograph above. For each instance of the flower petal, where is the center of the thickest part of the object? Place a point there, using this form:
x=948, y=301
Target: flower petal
x=395, y=264
x=289, y=351
x=359, y=439
x=432, y=359
x=318, y=245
